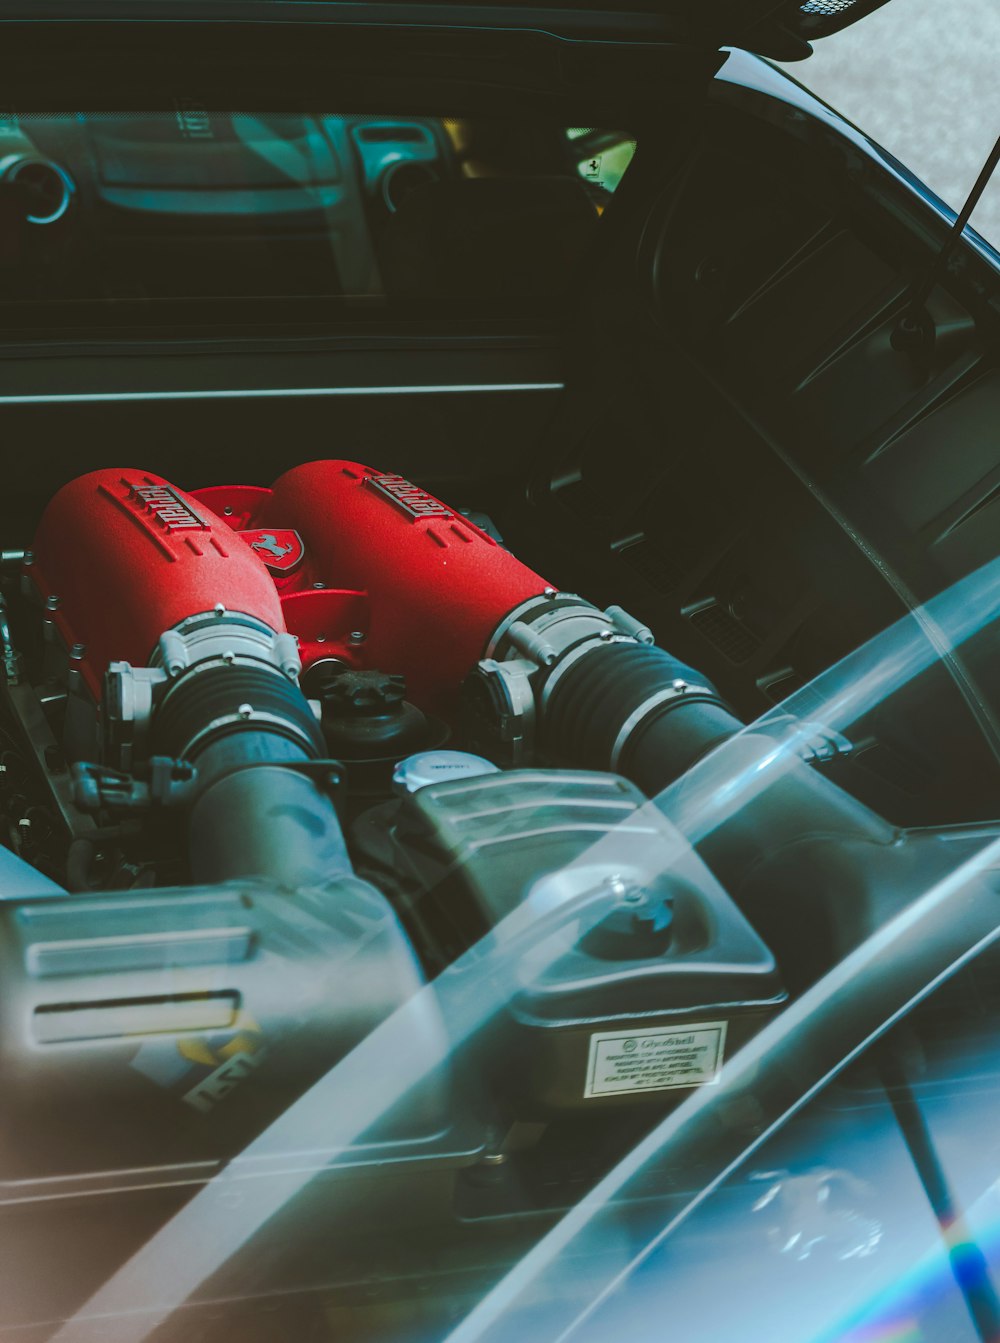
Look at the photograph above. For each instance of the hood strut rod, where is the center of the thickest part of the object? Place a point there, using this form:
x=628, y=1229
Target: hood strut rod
x=915, y=328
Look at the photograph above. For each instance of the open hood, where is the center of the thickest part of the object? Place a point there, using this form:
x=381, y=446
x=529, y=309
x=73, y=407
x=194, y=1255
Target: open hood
x=783, y=29
x=134, y=54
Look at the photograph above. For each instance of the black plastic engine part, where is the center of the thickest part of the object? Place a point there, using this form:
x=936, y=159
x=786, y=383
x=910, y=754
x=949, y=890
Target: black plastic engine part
x=260, y=813
x=246, y=729
x=635, y=706
x=148, y=1040
x=673, y=955
x=175, y=1024
x=638, y=708
x=370, y=725
x=219, y=700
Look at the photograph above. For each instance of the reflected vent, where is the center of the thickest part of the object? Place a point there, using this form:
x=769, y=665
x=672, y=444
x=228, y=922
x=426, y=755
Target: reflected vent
x=723, y=631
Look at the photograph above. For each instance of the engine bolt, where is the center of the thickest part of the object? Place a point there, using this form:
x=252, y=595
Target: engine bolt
x=77, y=651
x=357, y=636
x=321, y=638
x=227, y=512
x=229, y=657
x=319, y=585
x=245, y=711
x=679, y=685
x=549, y=592
x=24, y=824
x=219, y=609
x=52, y=603
x=607, y=636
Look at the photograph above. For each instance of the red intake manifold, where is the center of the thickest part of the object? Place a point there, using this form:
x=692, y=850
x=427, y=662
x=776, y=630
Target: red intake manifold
x=360, y=565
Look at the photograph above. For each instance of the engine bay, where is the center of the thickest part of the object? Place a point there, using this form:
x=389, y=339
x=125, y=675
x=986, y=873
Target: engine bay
x=284, y=768
x=302, y=777
x=384, y=853
x=288, y=686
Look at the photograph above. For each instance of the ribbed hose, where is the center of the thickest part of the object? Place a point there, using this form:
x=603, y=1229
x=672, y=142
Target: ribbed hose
x=597, y=696
x=258, y=816
x=256, y=813
x=596, y=699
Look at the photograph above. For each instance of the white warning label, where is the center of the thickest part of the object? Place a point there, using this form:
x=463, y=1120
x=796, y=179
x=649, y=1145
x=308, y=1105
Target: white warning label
x=655, y=1060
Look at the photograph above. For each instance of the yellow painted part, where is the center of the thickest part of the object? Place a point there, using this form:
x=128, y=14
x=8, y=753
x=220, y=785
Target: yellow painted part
x=193, y=1047
x=248, y=1041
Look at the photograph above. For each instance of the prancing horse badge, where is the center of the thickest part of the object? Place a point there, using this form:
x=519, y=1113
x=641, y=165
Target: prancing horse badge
x=281, y=549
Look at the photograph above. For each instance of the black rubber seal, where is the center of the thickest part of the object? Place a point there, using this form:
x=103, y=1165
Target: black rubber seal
x=596, y=696
x=201, y=697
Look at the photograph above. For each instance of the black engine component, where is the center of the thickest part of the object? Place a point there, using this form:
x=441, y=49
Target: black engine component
x=607, y=1020
x=636, y=708
x=174, y=1025
x=369, y=724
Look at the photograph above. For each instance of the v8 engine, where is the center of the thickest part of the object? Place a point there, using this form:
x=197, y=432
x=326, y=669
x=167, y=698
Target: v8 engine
x=207, y=652
x=288, y=768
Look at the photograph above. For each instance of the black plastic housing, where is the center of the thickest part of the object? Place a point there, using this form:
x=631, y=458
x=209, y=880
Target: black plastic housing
x=181, y=1053
x=175, y=1025
x=670, y=951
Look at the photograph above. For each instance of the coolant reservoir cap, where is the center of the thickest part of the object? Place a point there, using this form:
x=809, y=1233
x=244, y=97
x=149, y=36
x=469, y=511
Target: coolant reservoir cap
x=427, y=767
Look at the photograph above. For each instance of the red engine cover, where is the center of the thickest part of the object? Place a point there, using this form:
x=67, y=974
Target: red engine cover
x=424, y=586
x=129, y=556
x=360, y=565
x=437, y=585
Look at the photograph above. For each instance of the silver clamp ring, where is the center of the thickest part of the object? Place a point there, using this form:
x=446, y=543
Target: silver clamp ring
x=588, y=645
x=241, y=717
x=677, y=690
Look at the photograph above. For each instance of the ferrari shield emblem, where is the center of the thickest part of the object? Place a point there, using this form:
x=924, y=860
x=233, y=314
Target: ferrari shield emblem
x=281, y=549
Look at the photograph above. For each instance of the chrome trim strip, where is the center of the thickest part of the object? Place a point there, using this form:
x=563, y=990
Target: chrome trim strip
x=236, y=393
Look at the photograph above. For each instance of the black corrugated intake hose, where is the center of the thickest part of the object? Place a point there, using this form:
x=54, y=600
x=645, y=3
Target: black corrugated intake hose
x=256, y=812
x=676, y=715
x=637, y=710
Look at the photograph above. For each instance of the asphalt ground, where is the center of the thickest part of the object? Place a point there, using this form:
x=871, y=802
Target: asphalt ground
x=922, y=77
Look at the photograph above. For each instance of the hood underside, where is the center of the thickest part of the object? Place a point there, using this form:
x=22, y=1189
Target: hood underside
x=783, y=29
